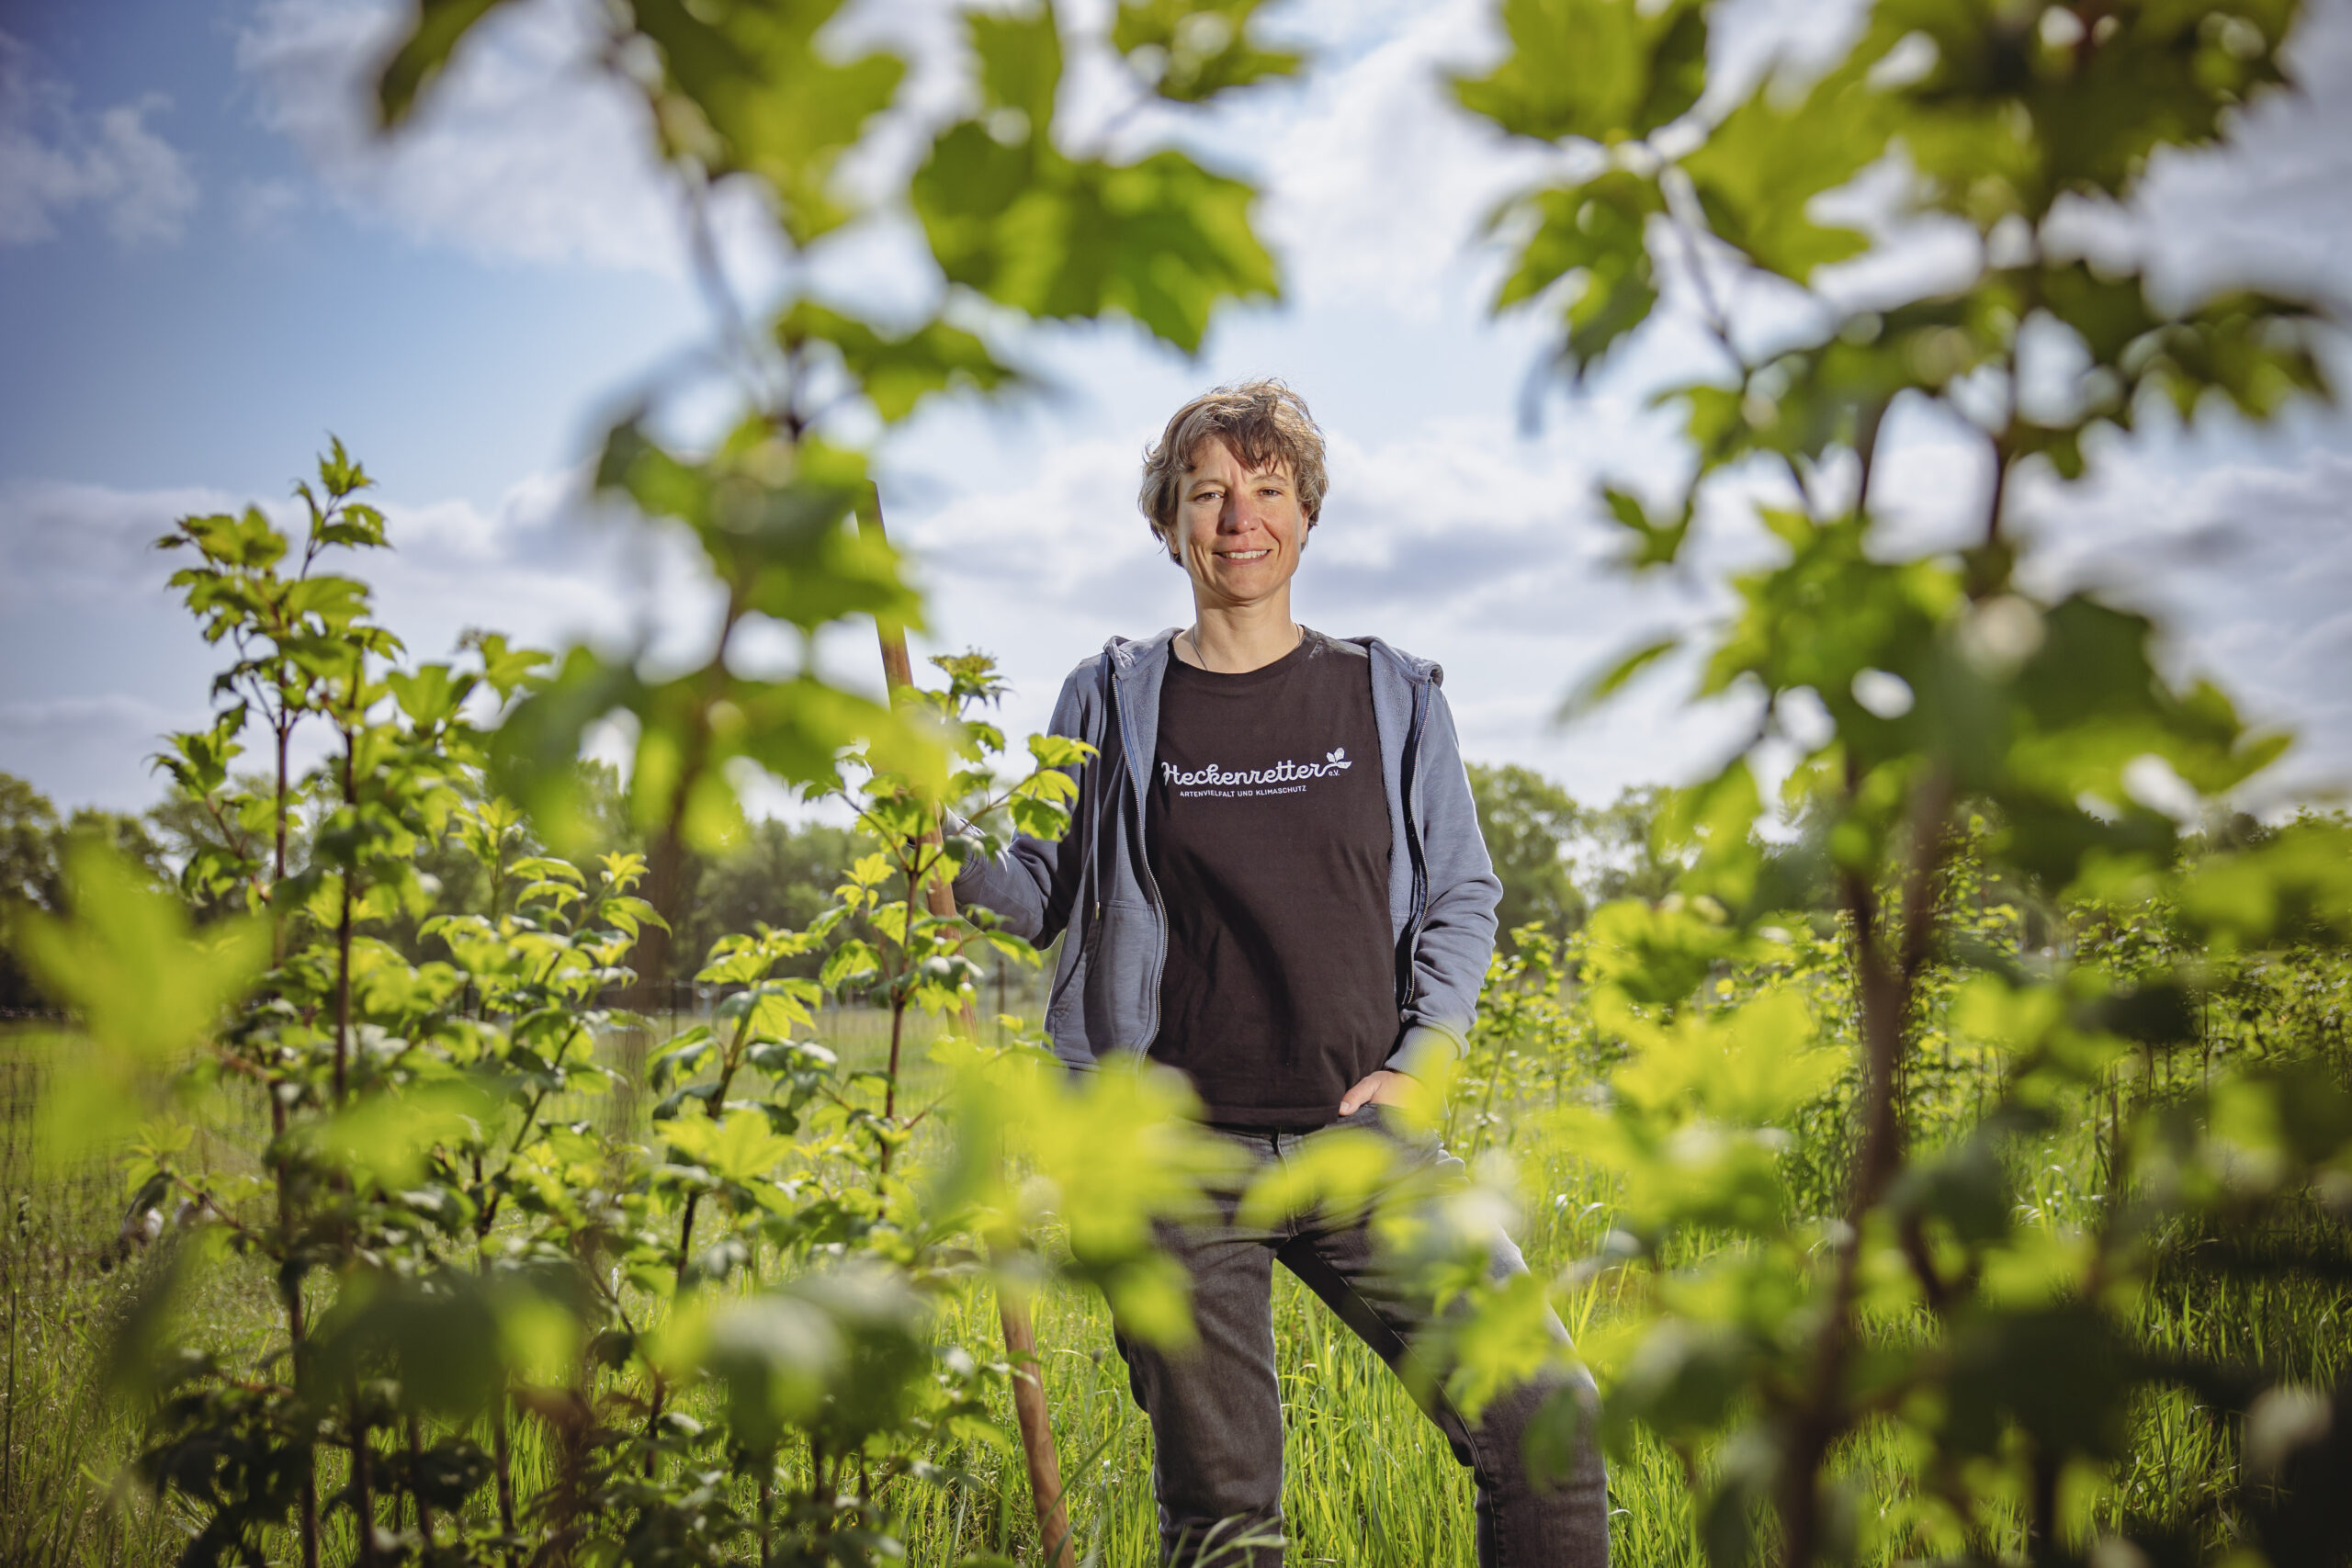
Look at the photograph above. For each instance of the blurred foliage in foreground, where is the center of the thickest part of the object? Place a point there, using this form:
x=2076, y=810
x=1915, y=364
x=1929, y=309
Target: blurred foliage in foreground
x=406, y=1173
x=1811, y=1097
x=1967, y=746
x=451, y=1237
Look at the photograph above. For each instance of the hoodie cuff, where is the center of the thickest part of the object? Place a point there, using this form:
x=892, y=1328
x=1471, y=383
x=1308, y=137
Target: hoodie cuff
x=1423, y=1052
x=953, y=826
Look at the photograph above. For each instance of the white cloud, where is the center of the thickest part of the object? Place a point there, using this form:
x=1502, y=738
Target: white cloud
x=99, y=657
x=85, y=544
x=2268, y=207
x=1458, y=540
x=1375, y=186
x=90, y=750
x=265, y=208
x=1377, y=182
x=524, y=150
x=54, y=158
x=2238, y=549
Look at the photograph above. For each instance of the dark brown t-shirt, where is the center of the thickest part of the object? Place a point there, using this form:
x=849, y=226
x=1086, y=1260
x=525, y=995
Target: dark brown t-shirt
x=1268, y=833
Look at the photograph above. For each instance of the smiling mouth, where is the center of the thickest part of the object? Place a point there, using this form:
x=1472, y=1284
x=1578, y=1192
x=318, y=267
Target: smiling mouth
x=1242, y=555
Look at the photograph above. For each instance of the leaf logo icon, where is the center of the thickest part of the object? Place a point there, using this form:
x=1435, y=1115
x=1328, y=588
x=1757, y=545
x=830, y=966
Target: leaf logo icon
x=1337, y=757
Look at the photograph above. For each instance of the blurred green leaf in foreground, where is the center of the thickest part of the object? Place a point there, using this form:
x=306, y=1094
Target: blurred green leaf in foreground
x=1978, y=757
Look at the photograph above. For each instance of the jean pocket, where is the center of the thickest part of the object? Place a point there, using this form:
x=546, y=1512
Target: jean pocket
x=1401, y=1129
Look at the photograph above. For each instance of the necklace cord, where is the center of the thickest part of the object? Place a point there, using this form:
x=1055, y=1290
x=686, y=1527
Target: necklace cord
x=1297, y=636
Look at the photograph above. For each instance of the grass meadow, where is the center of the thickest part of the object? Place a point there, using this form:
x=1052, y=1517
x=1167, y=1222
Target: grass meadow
x=1369, y=1483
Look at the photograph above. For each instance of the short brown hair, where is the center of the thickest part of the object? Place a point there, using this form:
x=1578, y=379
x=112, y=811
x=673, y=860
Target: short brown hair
x=1263, y=421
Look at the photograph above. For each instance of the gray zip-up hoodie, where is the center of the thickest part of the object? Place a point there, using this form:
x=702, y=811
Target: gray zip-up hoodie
x=1097, y=878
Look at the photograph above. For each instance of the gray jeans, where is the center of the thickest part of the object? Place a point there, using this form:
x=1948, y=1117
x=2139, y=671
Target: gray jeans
x=1215, y=1408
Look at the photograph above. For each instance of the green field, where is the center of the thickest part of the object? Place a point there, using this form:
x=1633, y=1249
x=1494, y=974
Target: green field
x=1368, y=1481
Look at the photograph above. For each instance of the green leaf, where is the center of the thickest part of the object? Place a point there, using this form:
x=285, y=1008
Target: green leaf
x=1715, y=821
x=1758, y=172
x=385, y=1139
x=1653, y=542
x=853, y=961
x=1105, y=1151
x=1595, y=233
x=441, y=1340
x=684, y=1055
x=2009, y=116
x=1654, y=956
x=506, y=669
x=1502, y=1338
x=1162, y=241
x=144, y=987
x=430, y=694
x=746, y=88
x=896, y=373
x=840, y=1356
x=778, y=1004
x=1190, y=50
x=2295, y=885
x=1060, y=751
x=2093, y=702
x=143, y=984
x=1020, y=56
x=1038, y=818
x=1598, y=690
x=741, y=1148
x=342, y=475
x=797, y=729
x=1604, y=70
x=1807, y=400
x=773, y=1357
x=434, y=33
x=773, y=518
x=2258, y=350
x=1340, y=1174
x=1830, y=612
x=534, y=753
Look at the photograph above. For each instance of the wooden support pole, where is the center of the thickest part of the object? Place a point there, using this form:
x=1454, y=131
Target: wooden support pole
x=1020, y=1331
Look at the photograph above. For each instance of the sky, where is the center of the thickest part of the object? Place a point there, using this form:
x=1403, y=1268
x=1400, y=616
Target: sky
x=207, y=265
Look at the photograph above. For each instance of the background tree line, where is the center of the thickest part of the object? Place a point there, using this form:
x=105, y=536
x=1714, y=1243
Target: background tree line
x=1558, y=859
x=780, y=873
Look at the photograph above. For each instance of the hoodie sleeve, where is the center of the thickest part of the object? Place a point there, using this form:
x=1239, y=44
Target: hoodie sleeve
x=1034, y=882
x=1457, y=932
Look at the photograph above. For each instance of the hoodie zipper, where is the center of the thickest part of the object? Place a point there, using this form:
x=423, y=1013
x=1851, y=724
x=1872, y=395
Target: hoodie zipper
x=1408, y=773
x=1150, y=883
x=1091, y=929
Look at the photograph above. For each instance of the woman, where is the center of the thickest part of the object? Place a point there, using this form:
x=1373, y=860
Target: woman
x=1278, y=886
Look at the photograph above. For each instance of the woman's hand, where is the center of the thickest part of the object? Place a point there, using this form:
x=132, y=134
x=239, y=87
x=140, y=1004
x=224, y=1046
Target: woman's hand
x=1382, y=1088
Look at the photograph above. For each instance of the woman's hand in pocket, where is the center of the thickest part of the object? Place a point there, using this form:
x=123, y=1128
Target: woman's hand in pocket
x=1383, y=1087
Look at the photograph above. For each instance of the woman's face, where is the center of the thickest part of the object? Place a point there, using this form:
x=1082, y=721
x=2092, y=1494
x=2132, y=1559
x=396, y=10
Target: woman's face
x=1238, y=530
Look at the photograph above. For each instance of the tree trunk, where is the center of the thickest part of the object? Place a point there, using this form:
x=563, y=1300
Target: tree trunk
x=1020, y=1332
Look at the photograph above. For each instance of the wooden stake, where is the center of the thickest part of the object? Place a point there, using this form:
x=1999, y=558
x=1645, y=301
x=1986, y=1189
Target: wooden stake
x=1020, y=1332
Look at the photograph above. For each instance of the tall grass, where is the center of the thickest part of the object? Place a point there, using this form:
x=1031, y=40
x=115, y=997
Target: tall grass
x=68, y=1280
x=1368, y=1482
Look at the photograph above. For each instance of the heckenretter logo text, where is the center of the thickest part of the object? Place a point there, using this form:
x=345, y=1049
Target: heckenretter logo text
x=1334, y=761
